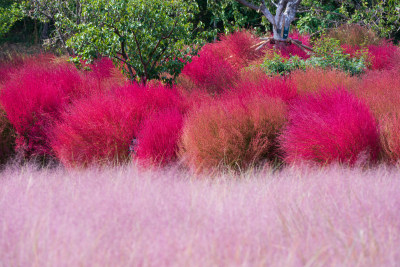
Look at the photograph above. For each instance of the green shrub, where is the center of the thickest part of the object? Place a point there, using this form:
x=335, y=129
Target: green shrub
x=328, y=54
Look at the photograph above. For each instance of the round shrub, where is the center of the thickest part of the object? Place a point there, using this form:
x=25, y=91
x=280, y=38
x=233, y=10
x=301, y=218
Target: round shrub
x=100, y=129
x=234, y=133
x=210, y=72
x=383, y=56
x=265, y=86
x=380, y=90
x=239, y=48
x=333, y=126
x=354, y=35
x=158, y=137
x=313, y=80
x=389, y=126
x=33, y=98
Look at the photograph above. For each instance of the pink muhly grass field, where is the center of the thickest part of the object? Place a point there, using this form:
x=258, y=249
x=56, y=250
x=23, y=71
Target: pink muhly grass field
x=333, y=126
x=126, y=217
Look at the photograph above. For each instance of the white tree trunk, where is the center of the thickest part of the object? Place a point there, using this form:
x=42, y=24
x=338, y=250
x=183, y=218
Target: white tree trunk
x=285, y=14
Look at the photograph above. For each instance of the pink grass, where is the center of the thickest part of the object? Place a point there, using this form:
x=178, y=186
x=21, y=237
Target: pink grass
x=125, y=217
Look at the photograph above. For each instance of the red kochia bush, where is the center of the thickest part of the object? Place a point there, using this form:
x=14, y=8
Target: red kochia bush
x=238, y=48
x=211, y=72
x=314, y=80
x=158, y=137
x=389, y=126
x=380, y=90
x=383, y=57
x=33, y=99
x=99, y=129
x=329, y=127
x=235, y=133
x=266, y=86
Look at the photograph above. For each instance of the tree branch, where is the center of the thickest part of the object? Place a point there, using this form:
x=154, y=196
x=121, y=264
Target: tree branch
x=261, y=8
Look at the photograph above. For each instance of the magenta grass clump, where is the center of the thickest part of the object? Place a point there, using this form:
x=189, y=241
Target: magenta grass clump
x=265, y=86
x=100, y=129
x=33, y=100
x=383, y=56
x=209, y=71
x=238, y=48
x=333, y=126
x=158, y=137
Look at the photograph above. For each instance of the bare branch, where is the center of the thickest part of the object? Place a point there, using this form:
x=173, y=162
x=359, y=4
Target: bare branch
x=248, y=4
x=261, y=8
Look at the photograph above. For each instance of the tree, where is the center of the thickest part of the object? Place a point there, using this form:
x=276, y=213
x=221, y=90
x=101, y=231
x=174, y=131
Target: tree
x=57, y=13
x=10, y=12
x=285, y=14
x=152, y=39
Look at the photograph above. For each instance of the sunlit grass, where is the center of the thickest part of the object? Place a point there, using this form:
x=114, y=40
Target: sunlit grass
x=126, y=216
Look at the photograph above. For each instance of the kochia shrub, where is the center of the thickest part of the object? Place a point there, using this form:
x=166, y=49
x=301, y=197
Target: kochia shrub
x=210, y=72
x=384, y=56
x=266, y=87
x=380, y=90
x=333, y=126
x=100, y=129
x=314, y=80
x=234, y=133
x=354, y=35
x=389, y=126
x=238, y=48
x=33, y=99
x=158, y=137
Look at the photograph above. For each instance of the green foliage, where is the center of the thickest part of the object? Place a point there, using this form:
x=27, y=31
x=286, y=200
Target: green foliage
x=381, y=16
x=281, y=65
x=9, y=14
x=232, y=16
x=149, y=38
x=328, y=54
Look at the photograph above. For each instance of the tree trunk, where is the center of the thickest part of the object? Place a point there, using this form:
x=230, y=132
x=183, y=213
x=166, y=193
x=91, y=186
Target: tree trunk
x=45, y=31
x=285, y=14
